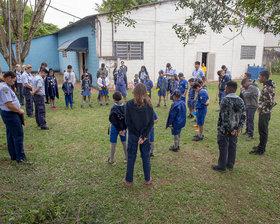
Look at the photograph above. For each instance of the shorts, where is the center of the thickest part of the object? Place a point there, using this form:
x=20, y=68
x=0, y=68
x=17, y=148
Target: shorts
x=162, y=93
x=191, y=103
x=152, y=135
x=200, y=116
x=114, y=135
x=176, y=132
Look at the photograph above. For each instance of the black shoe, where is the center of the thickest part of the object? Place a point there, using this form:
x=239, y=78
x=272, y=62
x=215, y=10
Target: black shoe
x=171, y=148
x=176, y=149
x=250, y=139
x=152, y=155
x=259, y=153
x=90, y=105
x=190, y=116
x=229, y=168
x=46, y=128
x=216, y=168
x=47, y=103
x=197, y=139
x=25, y=161
x=32, y=115
x=256, y=147
x=194, y=120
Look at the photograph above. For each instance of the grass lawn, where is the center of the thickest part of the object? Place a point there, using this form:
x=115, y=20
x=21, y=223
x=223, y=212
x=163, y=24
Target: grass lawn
x=70, y=180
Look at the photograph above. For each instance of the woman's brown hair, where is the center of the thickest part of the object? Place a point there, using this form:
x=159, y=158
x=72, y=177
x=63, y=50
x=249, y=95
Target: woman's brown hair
x=141, y=95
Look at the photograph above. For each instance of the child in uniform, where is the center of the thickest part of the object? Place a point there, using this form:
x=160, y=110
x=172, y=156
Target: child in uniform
x=136, y=80
x=51, y=88
x=149, y=85
x=152, y=135
x=68, y=89
x=86, y=90
x=173, y=85
x=176, y=119
x=201, y=103
x=103, y=83
x=118, y=126
x=162, y=85
x=191, y=97
x=121, y=83
x=183, y=86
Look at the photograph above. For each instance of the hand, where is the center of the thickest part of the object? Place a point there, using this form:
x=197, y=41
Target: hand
x=122, y=133
x=171, y=127
x=234, y=133
x=141, y=141
x=21, y=111
x=184, y=95
x=32, y=93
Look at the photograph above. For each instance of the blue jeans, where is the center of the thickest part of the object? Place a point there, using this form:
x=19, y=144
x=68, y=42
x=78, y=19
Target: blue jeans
x=250, y=114
x=222, y=94
x=132, y=154
x=69, y=99
x=15, y=135
x=227, y=149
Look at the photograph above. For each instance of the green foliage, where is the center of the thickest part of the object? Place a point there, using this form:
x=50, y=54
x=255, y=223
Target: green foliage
x=276, y=67
x=70, y=180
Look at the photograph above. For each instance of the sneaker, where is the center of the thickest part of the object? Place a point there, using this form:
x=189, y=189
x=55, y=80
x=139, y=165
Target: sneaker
x=46, y=128
x=72, y=107
x=256, y=147
x=90, y=105
x=107, y=104
x=216, y=168
x=152, y=155
x=55, y=108
x=25, y=161
x=32, y=115
x=190, y=116
x=171, y=148
x=101, y=104
x=113, y=163
x=82, y=106
x=259, y=152
x=195, y=125
x=198, y=138
x=126, y=183
x=194, y=120
x=176, y=149
x=158, y=105
x=67, y=108
x=250, y=139
x=149, y=182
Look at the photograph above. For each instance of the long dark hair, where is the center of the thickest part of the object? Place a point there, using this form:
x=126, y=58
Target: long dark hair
x=145, y=70
x=141, y=95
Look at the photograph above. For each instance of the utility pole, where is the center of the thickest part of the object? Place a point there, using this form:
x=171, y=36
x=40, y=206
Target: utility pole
x=9, y=32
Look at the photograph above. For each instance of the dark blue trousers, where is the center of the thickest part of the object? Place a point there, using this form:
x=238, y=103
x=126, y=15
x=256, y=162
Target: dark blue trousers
x=250, y=117
x=227, y=151
x=40, y=110
x=28, y=101
x=15, y=135
x=263, y=130
x=69, y=99
x=132, y=154
x=20, y=93
x=222, y=94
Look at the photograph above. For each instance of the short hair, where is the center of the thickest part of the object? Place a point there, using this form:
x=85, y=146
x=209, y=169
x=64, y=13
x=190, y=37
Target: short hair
x=9, y=74
x=191, y=80
x=117, y=96
x=44, y=70
x=86, y=70
x=44, y=64
x=27, y=67
x=197, y=63
x=136, y=75
x=122, y=61
x=102, y=65
x=69, y=66
x=103, y=73
x=248, y=74
x=200, y=82
x=168, y=65
x=244, y=81
x=223, y=66
x=219, y=72
x=17, y=65
x=196, y=85
x=232, y=86
x=265, y=74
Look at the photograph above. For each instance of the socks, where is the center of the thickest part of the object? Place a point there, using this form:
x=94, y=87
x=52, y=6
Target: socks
x=125, y=149
x=113, y=150
x=165, y=101
x=177, y=141
x=200, y=134
x=152, y=148
x=159, y=101
x=82, y=102
x=89, y=101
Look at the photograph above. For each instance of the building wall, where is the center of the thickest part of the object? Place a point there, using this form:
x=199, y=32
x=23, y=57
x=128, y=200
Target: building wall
x=72, y=33
x=161, y=45
x=271, y=40
x=42, y=49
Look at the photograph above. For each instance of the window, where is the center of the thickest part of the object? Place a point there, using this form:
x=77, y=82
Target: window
x=65, y=54
x=129, y=50
x=248, y=52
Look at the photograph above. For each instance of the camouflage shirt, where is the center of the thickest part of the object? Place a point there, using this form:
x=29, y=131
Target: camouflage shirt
x=266, y=101
x=232, y=114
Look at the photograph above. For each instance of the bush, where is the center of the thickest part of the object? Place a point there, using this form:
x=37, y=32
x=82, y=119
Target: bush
x=276, y=66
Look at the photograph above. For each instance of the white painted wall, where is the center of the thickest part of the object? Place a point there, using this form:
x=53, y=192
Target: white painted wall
x=161, y=45
x=271, y=40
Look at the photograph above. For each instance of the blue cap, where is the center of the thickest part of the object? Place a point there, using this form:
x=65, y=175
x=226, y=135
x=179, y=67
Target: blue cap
x=177, y=93
x=86, y=75
x=181, y=74
x=175, y=75
x=67, y=77
x=160, y=72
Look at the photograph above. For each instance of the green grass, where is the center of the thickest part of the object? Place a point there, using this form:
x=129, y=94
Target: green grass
x=70, y=181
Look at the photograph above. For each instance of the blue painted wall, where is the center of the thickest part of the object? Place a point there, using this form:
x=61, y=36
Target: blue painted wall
x=72, y=33
x=42, y=49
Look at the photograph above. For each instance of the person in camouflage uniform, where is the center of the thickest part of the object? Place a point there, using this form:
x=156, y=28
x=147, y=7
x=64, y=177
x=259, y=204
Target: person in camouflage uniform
x=232, y=117
x=266, y=103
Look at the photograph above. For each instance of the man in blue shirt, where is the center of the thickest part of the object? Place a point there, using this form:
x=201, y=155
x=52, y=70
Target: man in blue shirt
x=27, y=79
x=223, y=80
x=39, y=94
x=169, y=72
x=12, y=116
x=198, y=73
x=227, y=71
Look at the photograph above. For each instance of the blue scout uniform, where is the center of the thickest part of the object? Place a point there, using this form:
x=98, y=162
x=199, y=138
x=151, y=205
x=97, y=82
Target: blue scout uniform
x=86, y=87
x=114, y=132
x=162, y=86
x=201, y=109
x=152, y=133
x=177, y=117
x=222, y=86
x=13, y=123
x=68, y=89
x=191, y=97
x=121, y=83
x=40, y=110
x=173, y=85
x=183, y=86
x=19, y=86
x=135, y=82
x=198, y=74
x=172, y=72
x=149, y=85
x=51, y=87
x=228, y=73
x=28, y=78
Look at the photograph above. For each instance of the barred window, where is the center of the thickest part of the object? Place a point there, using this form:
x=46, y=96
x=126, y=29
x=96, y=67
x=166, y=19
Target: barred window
x=64, y=54
x=248, y=52
x=129, y=50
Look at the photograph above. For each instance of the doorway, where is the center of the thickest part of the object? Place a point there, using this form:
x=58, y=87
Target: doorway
x=82, y=63
x=208, y=59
